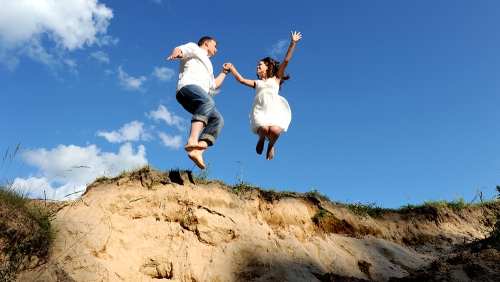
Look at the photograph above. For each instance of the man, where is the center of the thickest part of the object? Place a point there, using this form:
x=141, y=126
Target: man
x=195, y=91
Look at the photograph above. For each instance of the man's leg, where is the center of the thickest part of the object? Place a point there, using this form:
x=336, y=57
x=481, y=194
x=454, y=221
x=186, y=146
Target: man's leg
x=213, y=127
x=196, y=101
x=207, y=138
x=194, y=133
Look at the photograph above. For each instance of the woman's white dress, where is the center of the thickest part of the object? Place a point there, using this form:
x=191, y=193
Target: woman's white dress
x=268, y=107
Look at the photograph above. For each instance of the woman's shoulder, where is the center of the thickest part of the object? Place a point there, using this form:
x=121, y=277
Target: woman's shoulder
x=274, y=79
x=269, y=83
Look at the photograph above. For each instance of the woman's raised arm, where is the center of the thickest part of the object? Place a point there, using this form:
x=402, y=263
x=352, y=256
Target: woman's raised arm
x=296, y=36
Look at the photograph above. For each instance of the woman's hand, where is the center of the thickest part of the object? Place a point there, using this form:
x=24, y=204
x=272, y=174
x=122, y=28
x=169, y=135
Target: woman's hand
x=296, y=36
x=229, y=66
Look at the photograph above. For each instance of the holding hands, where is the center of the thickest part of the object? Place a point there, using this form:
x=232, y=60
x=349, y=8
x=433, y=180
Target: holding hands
x=226, y=67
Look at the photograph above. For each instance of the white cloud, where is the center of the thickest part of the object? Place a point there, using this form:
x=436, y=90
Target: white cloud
x=156, y=1
x=72, y=66
x=100, y=56
x=164, y=74
x=169, y=117
x=133, y=131
x=170, y=141
x=68, y=169
x=66, y=25
x=130, y=83
x=34, y=50
x=279, y=48
x=107, y=40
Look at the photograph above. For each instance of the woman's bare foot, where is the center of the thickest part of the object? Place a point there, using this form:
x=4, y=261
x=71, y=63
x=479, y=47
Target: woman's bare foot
x=197, y=157
x=260, y=145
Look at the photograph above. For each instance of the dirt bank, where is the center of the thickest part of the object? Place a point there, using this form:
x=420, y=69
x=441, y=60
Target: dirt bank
x=152, y=226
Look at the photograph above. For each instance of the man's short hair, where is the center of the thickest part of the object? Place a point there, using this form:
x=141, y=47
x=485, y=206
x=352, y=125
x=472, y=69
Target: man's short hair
x=204, y=39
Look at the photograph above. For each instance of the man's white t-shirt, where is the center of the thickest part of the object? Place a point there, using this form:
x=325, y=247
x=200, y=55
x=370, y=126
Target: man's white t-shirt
x=195, y=68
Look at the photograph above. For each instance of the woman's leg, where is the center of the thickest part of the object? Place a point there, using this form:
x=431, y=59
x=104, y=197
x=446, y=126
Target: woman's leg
x=262, y=132
x=273, y=135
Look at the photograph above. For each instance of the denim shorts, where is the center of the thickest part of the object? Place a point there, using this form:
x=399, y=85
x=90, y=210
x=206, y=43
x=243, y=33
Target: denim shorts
x=197, y=102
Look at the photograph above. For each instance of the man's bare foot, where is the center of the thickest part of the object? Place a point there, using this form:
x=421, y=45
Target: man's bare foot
x=260, y=146
x=197, y=157
x=270, y=153
x=194, y=146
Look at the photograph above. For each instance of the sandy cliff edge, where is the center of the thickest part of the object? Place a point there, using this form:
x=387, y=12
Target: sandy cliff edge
x=151, y=226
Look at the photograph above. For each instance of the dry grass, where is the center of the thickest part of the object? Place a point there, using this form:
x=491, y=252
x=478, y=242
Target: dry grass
x=25, y=233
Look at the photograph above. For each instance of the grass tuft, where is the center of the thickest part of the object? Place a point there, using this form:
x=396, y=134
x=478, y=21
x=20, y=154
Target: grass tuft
x=204, y=174
x=327, y=221
x=369, y=209
x=25, y=228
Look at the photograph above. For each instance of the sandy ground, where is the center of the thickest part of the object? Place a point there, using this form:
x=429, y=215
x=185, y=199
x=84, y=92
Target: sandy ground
x=152, y=226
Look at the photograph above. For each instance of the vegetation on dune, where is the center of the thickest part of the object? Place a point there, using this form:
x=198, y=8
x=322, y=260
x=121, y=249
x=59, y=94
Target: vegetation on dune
x=243, y=188
x=25, y=227
x=26, y=232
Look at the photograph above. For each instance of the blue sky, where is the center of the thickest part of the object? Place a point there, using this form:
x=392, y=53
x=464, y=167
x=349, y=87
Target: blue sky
x=393, y=102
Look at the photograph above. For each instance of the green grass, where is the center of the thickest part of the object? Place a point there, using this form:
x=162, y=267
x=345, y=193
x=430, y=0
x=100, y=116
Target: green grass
x=26, y=232
x=242, y=187
x=324, y=218
x=314, y=193
x=457, y=204
x=320, y=220
x=321, y=214
x=376, y=211
x=370, y=209
x=204, y=173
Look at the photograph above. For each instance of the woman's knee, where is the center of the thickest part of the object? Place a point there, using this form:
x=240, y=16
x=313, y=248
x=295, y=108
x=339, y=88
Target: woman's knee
x=275, y=130
x=263, y=130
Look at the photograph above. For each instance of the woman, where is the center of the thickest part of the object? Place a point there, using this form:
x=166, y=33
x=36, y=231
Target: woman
x=270, y=113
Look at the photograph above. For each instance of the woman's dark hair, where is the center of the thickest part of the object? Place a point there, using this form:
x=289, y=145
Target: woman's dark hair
x=272, y=69
x=204, y=39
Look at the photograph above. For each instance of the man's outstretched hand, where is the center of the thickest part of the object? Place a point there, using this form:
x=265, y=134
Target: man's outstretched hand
x=176, y=54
